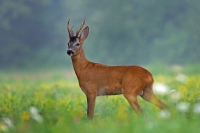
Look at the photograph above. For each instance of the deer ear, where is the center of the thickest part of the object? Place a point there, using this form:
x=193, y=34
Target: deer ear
x=84, y=34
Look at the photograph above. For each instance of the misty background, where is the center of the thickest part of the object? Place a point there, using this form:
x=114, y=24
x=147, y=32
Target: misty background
x=33, y=33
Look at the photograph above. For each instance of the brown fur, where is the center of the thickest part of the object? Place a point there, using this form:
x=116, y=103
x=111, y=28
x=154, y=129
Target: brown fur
x=97, y=79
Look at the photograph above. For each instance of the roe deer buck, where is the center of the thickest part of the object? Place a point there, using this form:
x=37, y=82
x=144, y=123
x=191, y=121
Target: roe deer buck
x=97, y=79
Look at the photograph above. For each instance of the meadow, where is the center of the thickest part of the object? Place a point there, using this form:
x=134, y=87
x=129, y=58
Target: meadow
x=51, y=101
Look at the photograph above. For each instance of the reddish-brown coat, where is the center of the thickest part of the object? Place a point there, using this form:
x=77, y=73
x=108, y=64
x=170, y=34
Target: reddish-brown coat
x=97, y=79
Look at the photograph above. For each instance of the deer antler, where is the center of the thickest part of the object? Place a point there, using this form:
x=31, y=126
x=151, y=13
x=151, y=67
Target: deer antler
x=80, y=28
x=71, y=33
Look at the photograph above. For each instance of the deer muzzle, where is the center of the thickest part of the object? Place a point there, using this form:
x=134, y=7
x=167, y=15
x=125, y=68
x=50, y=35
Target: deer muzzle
x=70, y=52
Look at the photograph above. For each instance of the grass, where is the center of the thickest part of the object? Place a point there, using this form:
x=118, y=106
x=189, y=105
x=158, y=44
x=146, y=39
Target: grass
x=49, y=101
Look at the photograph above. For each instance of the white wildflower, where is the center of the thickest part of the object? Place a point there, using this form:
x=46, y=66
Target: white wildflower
x=164, y=114
x=176, y=68
x=175, y=96
x=5, y=124
x=173, y=91
x=7, y=121
x=35, y=115
x=181, y=78
x=197, y=108
x=160, y=88
x=33, y=110
x=183, y=106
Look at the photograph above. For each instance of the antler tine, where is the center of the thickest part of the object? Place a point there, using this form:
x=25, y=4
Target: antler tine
x=71, y=33
x=80, y=28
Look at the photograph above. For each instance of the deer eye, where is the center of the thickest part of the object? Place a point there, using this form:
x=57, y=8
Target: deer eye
x=77, y=44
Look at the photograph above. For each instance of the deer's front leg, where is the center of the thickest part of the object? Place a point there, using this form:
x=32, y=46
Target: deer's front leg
x=90, y=105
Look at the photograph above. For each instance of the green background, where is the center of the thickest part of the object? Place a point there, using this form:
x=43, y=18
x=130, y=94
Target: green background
x=33, y=33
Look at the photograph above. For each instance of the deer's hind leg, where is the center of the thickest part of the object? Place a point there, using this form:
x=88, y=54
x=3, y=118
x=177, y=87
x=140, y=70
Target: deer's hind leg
x=132, y=99
x=149, y=96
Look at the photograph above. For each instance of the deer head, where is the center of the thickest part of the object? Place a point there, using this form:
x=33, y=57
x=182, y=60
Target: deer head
x=75, y=42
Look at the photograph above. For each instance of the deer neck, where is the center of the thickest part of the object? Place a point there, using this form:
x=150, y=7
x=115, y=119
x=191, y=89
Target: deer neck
x=79, y=62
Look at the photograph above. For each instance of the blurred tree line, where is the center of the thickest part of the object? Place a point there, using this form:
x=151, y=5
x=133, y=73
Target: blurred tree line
x=33, y=32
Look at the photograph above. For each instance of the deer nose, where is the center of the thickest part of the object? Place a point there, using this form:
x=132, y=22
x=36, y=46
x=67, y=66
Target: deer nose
x=70, y=52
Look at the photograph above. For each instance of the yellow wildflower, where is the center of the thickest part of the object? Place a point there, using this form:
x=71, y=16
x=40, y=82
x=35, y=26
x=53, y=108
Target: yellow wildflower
x=183, y=89
x=25, y=116
x=3, y=127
